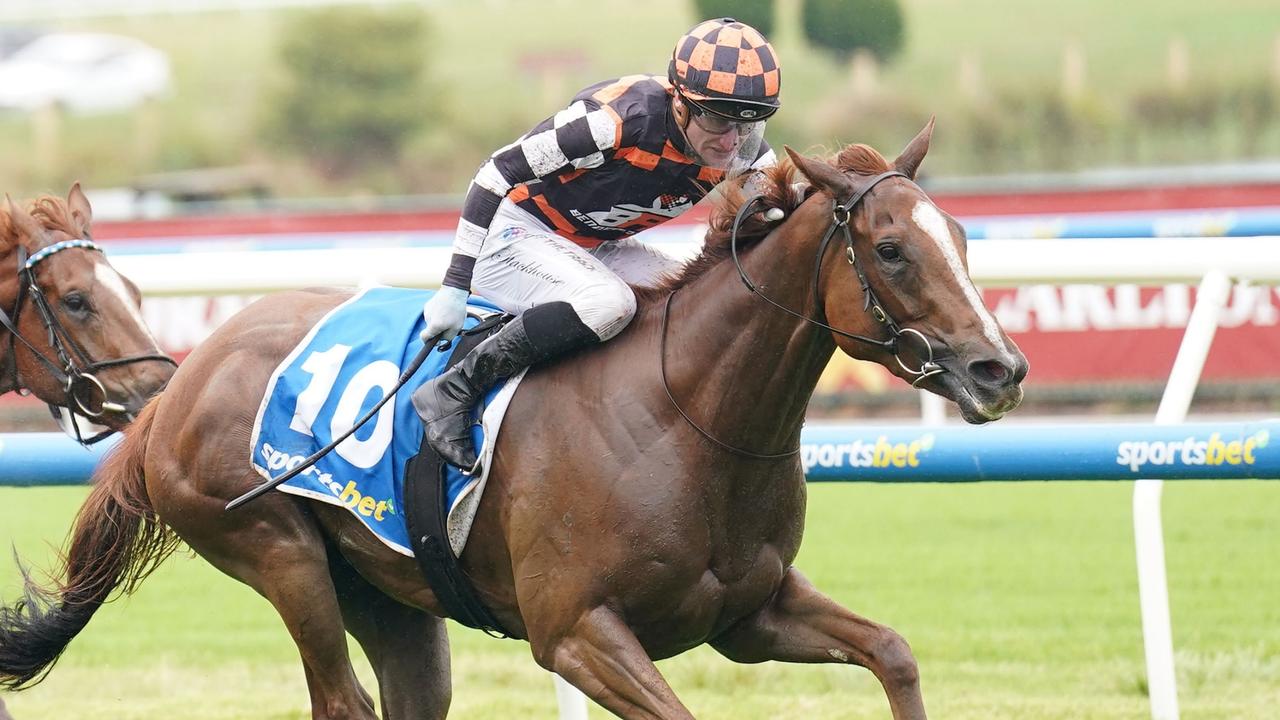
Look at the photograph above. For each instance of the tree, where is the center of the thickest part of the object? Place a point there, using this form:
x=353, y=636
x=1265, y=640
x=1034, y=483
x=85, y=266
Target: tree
x=846, y=26
x=355, y=91
x=756, y=13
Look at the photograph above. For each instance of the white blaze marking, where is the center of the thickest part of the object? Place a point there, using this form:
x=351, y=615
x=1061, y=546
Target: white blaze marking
x=934, y=225
x=111, y=281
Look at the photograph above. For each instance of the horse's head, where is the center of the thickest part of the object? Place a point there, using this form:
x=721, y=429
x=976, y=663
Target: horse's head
x=899, y=276
x=81, y=342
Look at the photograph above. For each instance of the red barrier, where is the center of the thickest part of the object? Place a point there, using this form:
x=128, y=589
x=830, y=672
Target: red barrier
x=1088, y=333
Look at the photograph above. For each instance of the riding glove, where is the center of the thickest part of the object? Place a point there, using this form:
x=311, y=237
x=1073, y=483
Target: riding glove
x=445, y=312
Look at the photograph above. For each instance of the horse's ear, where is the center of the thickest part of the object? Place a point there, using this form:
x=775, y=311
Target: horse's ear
x=22, y=224
x=80, y=210
x=911, y=157
x=820, y=173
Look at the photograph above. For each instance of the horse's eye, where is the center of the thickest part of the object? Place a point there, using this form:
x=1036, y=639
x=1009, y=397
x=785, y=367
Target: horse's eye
x=888, y=252
x=75, y=303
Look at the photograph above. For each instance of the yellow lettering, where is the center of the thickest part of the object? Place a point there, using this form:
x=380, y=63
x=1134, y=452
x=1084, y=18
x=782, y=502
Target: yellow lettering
x=900, y=455
x=912, y=449
x=356, y=501
x=882, y=451
x=1217, y=450
x=1248, y=449
x=1233, y=452
x=350, y=495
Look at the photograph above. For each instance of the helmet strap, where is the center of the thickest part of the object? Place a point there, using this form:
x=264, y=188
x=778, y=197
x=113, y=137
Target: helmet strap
x=680, y=111
x=682, y=115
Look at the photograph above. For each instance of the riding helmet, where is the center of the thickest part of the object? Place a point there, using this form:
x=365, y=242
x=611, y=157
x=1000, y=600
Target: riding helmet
x=727, y=68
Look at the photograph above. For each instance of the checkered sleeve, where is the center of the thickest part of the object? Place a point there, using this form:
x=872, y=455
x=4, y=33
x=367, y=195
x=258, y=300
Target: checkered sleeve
x=578, y=137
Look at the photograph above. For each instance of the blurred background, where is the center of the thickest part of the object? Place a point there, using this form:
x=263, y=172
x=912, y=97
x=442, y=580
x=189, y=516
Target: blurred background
x=223, y=131
x=302, y=123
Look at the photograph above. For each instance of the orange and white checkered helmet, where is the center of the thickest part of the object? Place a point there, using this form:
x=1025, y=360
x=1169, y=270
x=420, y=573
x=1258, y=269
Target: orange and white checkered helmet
x=727, y=68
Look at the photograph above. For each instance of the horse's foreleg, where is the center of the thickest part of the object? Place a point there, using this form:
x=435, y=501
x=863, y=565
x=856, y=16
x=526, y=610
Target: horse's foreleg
x=802, y=625
x=408, y=648
x=4, y=714
x=602, y=658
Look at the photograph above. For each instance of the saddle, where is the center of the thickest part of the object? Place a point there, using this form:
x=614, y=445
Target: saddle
x=426, y=513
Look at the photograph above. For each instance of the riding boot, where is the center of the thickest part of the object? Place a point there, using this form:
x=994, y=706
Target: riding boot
x=444, y=403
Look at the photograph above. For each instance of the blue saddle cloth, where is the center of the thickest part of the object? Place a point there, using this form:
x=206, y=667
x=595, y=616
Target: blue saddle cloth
x=339, y=371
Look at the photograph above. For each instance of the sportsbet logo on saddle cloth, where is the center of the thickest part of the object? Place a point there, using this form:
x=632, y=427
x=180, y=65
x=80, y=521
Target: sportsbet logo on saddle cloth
x=344, y=366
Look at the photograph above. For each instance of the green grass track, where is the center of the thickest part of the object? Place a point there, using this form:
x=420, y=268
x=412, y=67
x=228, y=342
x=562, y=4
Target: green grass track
x=1020, y=601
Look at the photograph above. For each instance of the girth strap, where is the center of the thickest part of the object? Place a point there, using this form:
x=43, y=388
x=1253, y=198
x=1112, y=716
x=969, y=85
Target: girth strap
x=427, y=516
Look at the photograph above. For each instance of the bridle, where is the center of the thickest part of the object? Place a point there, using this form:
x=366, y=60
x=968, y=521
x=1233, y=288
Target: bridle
x=841, y=217
x=71, y=366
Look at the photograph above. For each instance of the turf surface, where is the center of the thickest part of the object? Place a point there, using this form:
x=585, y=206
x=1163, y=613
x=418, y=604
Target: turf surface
x=1019, y=600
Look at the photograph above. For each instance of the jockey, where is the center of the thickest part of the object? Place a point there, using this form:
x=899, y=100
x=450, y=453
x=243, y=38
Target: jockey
x=547, y=224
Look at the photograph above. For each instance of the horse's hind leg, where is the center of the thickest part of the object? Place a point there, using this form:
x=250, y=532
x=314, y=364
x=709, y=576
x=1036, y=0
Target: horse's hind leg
x=277, y=549
x=802, y=625
x=408, y=648
x=304, y=595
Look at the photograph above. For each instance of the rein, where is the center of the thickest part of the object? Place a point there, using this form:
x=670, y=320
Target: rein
x=662, y=365
x=72, y=367
x=841, y=216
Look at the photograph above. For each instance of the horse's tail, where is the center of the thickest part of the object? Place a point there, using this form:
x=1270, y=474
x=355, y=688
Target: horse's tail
x=117, y=542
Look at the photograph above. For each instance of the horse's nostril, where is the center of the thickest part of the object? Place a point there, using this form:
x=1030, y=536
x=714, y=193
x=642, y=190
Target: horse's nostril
x=989, y=372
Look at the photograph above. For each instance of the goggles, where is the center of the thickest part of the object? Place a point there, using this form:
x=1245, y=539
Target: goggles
x=714, y=123
x=717, y=125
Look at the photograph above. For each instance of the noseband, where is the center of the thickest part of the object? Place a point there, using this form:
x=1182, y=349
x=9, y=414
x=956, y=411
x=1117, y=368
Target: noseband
x=841, y=217
x=72, y=367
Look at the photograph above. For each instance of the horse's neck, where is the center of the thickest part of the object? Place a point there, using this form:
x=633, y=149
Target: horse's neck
x=743, y=369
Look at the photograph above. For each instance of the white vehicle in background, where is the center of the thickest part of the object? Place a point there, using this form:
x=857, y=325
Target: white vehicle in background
x=82, y=72
x=14, y=37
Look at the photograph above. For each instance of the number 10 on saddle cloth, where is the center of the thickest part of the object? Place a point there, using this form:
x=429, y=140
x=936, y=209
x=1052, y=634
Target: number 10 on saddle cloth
x=343, y=366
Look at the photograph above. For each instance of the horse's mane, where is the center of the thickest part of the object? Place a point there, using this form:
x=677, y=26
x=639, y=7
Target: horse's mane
x=50, y=211
x=775, y=186
x=54, y=214
x=862, y=159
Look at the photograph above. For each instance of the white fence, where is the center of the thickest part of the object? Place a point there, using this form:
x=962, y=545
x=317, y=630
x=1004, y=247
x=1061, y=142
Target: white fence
x=993, y=263
x=1213, y=262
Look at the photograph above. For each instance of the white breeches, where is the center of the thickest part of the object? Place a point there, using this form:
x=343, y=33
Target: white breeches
x=523, y=263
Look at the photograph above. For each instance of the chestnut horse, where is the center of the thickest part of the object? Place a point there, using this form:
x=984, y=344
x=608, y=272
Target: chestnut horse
x=71, y=330
x=645, y=497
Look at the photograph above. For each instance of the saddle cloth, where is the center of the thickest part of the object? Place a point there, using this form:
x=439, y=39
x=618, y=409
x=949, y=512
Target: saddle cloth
x=335, y=375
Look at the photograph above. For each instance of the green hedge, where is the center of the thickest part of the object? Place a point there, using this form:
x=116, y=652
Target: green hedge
x=758, y=14
x=355, y=92
x=845, y=26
